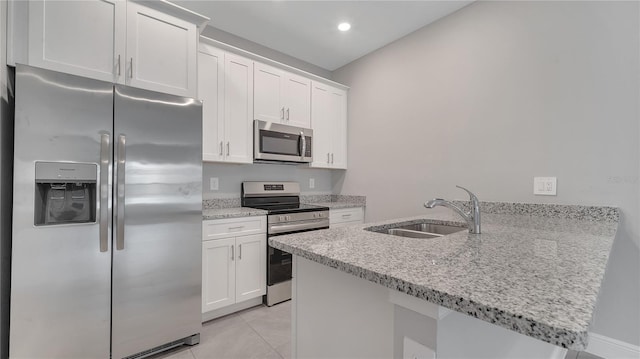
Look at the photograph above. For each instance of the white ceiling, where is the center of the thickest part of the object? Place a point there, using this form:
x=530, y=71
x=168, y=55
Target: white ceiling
x=307, y=30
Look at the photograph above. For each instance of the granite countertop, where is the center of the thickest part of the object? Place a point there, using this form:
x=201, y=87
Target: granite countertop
x=220, y=208
x=232, y=212
x=536, y=275
x=338, y=205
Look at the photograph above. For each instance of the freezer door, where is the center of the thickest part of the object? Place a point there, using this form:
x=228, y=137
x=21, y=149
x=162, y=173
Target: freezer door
x=157, y=220
x=61, y=266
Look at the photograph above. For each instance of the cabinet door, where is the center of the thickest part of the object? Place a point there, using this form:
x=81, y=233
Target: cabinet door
x=338, y=113
x=85, y=38
x=218, y=274
x=238, y=109
x=297, y=102
x=251, y=267
x=268, y=105
x=211, y=92
x=161, y=51
x=321, y=123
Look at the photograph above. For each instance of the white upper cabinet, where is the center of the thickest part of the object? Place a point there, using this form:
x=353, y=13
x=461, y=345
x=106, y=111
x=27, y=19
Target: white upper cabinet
x=83, y=38
x=116, y=41
x=211, y=92
x=281, y=96
x=238, y=109
x=225, y=86
x=161, y=51
x=329, y=124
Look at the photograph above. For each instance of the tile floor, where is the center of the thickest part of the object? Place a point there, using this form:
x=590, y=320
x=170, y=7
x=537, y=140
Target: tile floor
x=258, y=332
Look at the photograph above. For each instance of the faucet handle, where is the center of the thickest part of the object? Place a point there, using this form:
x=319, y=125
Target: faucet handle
x=472, y=196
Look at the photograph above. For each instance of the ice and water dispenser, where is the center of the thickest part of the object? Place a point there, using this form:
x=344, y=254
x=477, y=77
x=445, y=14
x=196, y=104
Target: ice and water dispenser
x=65, y=193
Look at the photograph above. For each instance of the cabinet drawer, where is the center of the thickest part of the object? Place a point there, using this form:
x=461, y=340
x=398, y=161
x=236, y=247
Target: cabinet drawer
x=233, y=227
x=346, y=215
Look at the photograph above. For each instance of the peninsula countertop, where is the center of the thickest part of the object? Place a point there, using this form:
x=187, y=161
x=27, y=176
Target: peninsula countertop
x=533, y=274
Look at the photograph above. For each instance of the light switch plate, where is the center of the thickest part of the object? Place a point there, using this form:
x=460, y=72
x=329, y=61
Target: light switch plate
x=312, y=183
x=213, y=183
x=545, y=186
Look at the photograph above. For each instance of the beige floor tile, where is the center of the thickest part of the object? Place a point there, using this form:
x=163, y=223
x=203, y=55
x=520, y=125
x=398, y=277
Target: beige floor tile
x=285, y=350
x=274, y=328
x=231, y=340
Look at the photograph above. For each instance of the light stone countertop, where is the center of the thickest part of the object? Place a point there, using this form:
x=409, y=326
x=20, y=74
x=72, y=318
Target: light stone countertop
x=233, y=212
x=338, y=205
x=539, y=276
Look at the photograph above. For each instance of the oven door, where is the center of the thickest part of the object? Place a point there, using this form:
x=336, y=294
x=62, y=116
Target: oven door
x=277, y=142
x=279, y=262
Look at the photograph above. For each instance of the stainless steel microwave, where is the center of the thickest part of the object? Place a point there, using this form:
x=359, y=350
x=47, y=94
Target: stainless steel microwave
x=281, y=143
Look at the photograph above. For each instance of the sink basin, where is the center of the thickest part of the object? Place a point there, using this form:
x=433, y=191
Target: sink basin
x=418, y=230
x=437, y=229
x=411, y=234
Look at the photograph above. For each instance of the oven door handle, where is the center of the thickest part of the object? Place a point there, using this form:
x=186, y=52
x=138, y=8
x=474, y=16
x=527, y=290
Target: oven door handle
x=284, y=228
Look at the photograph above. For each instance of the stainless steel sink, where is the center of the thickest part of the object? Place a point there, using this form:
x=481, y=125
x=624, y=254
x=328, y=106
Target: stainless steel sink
x=418, y=230
x=411, y=234
x=436, y=229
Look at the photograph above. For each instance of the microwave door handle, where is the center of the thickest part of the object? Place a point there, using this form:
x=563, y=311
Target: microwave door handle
x=304, y=145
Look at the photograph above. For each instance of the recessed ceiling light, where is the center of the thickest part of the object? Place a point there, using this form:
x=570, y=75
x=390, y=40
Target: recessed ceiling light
x=345, y=26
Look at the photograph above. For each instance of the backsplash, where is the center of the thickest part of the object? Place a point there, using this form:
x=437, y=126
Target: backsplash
x=230, y=176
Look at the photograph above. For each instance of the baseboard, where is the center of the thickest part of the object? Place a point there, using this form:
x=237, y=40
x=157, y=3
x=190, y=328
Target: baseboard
x=610, y=348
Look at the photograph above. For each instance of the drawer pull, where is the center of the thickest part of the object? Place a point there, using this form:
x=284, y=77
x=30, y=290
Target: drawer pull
x=346, y=215
x=236, y=228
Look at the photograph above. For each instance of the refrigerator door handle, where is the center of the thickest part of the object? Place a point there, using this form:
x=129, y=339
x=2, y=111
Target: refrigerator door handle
x=105, y=158
x=121, y=162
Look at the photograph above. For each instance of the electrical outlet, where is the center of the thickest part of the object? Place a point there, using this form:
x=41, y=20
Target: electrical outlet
x=545, y=186
x=213, y=183
x=312, y=183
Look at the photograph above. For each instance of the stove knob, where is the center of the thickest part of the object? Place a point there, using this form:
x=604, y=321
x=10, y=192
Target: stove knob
x=288, y=218
x=281, y=218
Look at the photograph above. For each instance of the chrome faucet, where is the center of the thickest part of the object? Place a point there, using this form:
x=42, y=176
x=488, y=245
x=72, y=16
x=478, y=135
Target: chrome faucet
x=472, y=218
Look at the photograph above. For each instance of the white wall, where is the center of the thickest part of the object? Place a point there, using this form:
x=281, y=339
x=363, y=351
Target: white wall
x=230, y=176
x=495, y=94
x=247, y=45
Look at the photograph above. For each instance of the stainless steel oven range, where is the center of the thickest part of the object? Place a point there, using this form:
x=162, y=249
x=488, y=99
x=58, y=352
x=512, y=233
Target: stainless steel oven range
x=285, y=215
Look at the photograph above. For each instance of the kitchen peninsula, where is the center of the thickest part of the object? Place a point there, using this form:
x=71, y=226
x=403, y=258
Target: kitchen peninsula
x=534, y=272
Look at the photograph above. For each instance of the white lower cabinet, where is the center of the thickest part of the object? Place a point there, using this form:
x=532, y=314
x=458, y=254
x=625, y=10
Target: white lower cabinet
x=234, y=263
x=345, y=217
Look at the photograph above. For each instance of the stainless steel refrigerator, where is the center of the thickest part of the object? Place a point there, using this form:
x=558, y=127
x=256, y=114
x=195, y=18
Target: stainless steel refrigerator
x=107, y=219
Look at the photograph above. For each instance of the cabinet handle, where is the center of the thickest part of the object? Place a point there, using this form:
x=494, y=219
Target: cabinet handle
x=118, y=65
x=282, y=113
x=221, y=150
x=287, y=114
x=227, y=148
x=232, y=252
x=331, y=158
x=131, y=68
x=240, y=251
x=328, y=158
